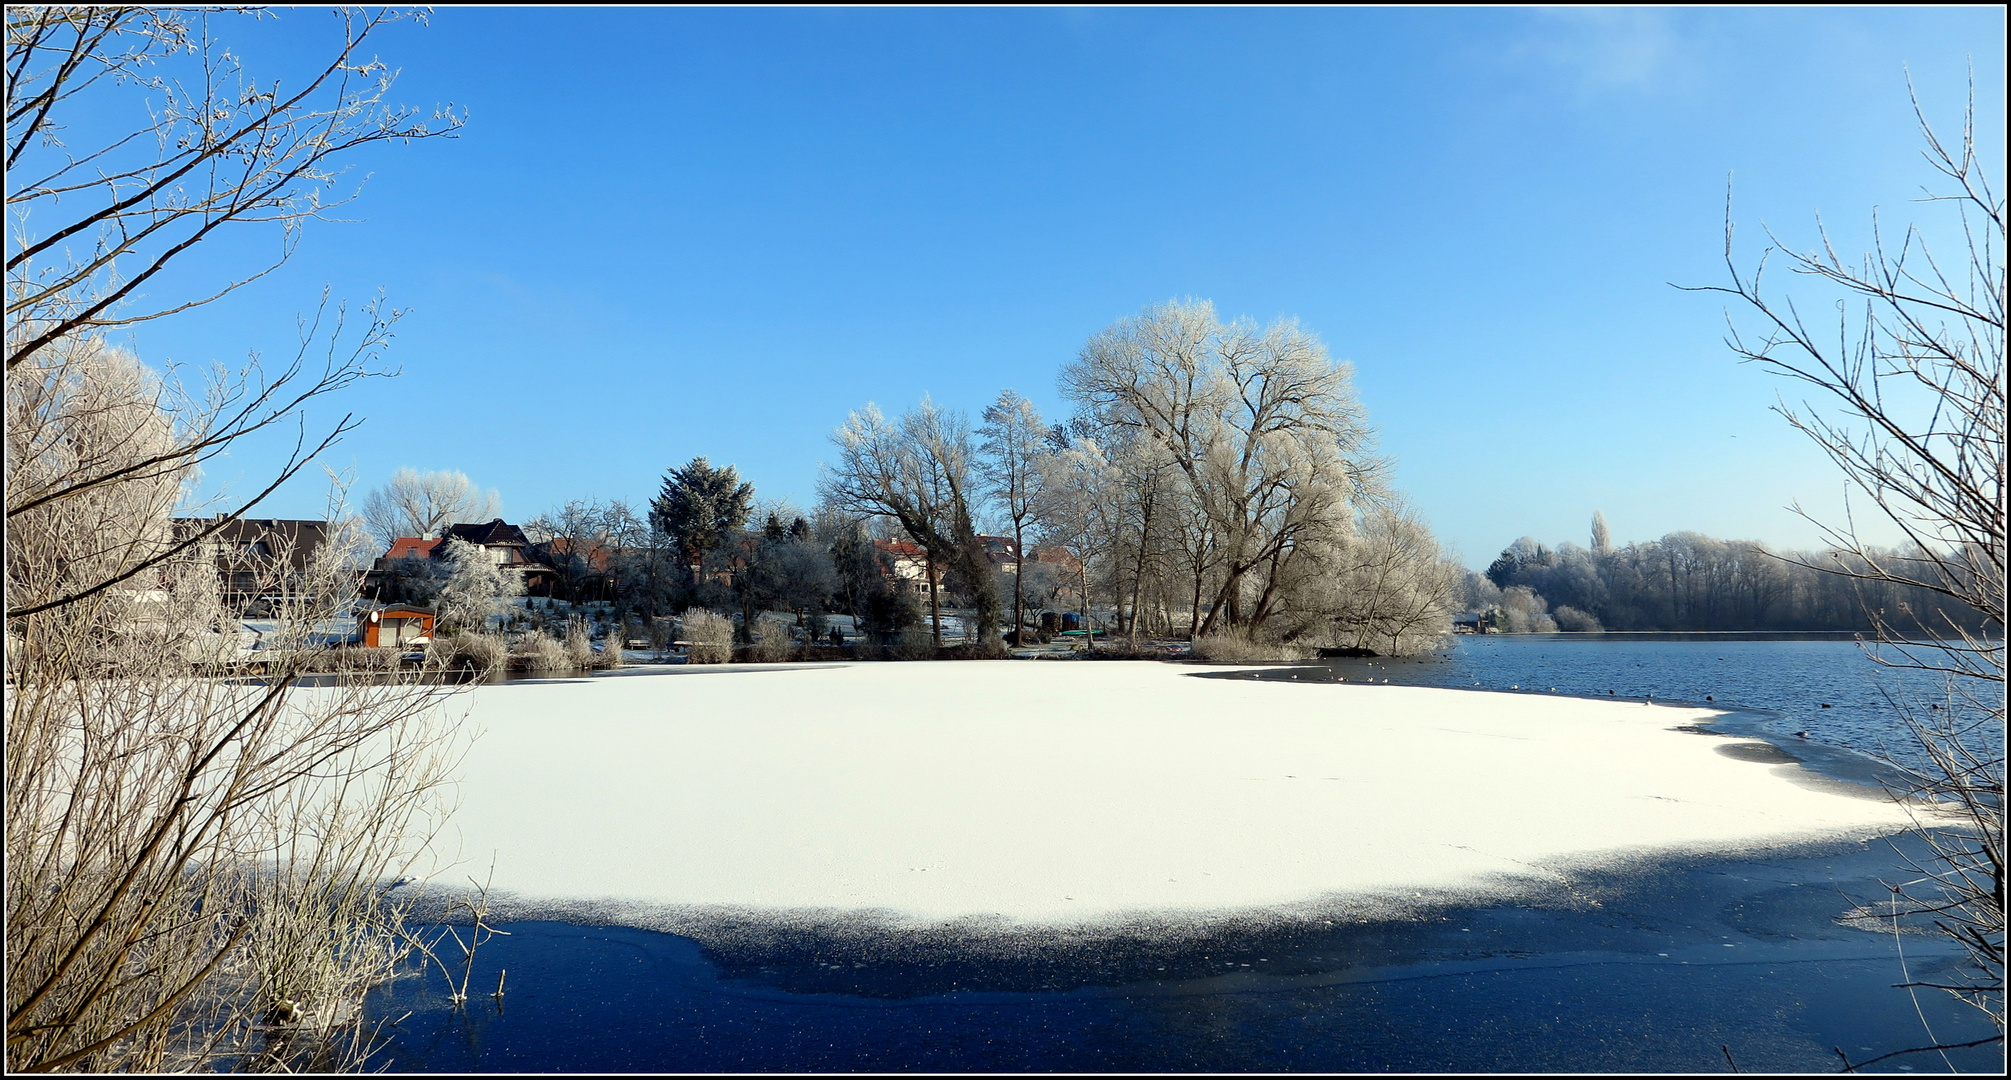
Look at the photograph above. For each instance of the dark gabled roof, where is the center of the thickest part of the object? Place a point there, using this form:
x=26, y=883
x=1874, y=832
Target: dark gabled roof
x=490, y=533
x=300, y=537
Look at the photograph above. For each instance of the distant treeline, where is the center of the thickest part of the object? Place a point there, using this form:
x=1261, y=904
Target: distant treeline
x=1688, y=581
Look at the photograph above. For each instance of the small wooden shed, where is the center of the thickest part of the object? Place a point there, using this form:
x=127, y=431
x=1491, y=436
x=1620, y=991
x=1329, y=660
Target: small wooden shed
x=398, y=625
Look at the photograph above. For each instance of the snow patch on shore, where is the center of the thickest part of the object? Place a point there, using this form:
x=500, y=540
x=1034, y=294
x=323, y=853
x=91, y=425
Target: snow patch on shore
x=1005, y=793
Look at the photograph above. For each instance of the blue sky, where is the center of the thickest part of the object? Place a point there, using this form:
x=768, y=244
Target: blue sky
x=670, y=232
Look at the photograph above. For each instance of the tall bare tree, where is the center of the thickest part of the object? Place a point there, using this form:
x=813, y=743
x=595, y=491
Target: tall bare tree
x=188, y=856
x=195, y=865
x=1264, y=426
x=1910, y=383
x=584, y=537
x=426, y=504
x=1014, y=434
x=1080, y=510
x=93, y=228
x=919, y=473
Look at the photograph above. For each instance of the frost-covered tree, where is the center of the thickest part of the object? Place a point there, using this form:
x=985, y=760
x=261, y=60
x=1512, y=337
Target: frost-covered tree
x=1079, y=508
x=1013, y=435
x=475, y=590
x=920, y=473
x=1524, y=612
x=1573, y=621
x=1262, y=423
x=426, y=504
x=186, y=854
x=1397, y=590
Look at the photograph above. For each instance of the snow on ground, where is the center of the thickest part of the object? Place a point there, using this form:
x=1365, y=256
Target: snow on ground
x=1077, y=792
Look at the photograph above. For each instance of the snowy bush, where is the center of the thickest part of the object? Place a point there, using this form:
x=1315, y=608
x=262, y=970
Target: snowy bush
x=1571, y=620
x=1235, y=646
x=481, y=652
x=579, y=644
x=1524, y=611
x=360, y=658
x=545, y=653
x=615, y=641
x=773, y=644
x=710, y=635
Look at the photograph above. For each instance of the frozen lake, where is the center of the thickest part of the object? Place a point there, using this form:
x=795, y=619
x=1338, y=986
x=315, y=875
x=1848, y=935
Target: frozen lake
x=859, y=876
x=1081, y=793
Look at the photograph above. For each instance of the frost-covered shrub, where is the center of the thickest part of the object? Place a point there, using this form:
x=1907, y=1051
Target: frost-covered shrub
x=1235, y=646
x=710, y=635
x=542, y=652
x=360, y=658
x=616, y=640
x=579, y=644
x=482, y=652
x=773, y=644
x=1573, y=621
x=1524, y=611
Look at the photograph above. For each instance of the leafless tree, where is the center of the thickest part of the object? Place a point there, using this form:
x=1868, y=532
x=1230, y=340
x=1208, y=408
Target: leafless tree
x=210, y=148
x=1910, y=381
x=1395, y=590
x=919, y=473
x=584, y=537
x=1081, y=502
x=426, y=504
x=195, y=865
x=1522, y=611
x=1262, y=423
x=1013, y=433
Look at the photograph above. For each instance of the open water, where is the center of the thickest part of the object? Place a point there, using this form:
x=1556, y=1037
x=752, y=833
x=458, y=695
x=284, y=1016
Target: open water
x=1689, y=965
x=1827, y=686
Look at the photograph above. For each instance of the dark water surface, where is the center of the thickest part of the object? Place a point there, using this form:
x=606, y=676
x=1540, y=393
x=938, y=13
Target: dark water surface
x=1826, y=685
x=1667, y=966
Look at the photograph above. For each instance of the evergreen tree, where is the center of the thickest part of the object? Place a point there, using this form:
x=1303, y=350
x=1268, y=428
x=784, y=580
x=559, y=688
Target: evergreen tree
x=700, y=507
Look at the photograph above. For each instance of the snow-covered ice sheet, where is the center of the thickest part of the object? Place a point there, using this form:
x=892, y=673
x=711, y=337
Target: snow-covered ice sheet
x=1070, y=793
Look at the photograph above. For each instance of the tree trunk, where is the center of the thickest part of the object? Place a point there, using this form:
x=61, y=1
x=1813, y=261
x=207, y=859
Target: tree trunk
x=1088, y=635
x=935, y=607
x=1194, y=612
x=1018, y=581
x=1138, y=572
